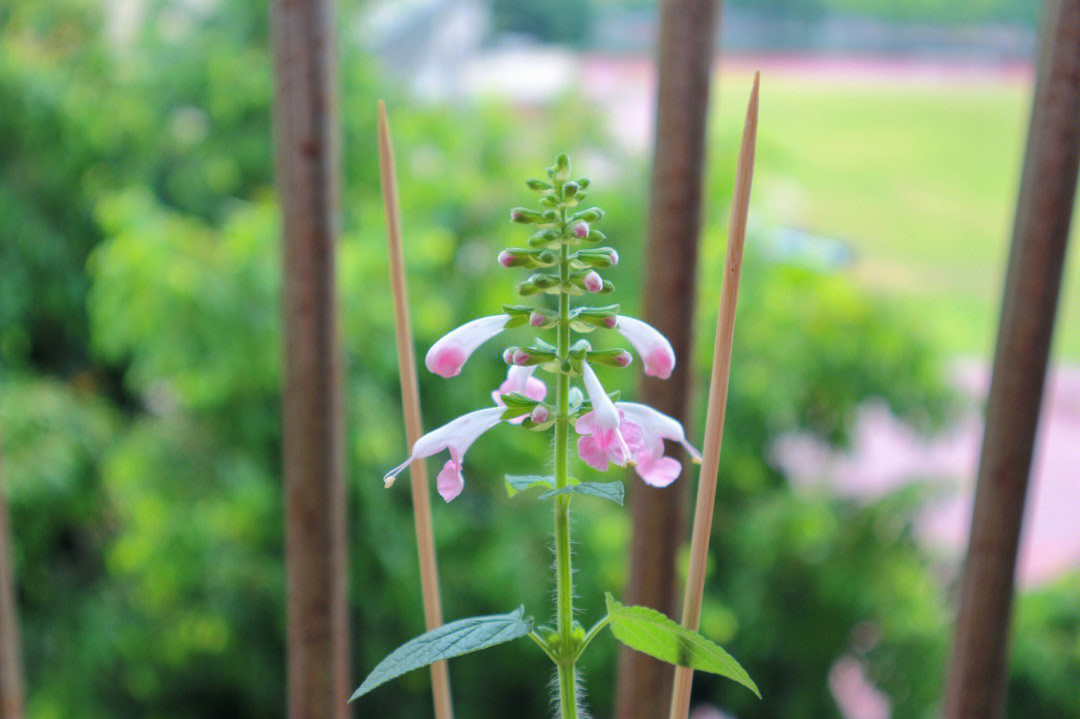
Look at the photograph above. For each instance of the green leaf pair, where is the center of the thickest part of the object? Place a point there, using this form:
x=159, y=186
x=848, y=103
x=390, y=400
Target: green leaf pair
x=448, y=641
x=612, y=491
x=650, y=632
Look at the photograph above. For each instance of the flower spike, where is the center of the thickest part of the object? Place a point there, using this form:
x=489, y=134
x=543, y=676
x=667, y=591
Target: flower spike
x=446, y=356
x=655, y=350
x=457, y=436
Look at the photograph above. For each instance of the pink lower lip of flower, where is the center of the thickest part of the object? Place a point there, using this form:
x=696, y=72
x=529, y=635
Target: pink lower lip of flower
x=592, y=282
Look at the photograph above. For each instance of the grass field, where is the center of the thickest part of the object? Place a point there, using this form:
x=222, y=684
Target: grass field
x=918, y=174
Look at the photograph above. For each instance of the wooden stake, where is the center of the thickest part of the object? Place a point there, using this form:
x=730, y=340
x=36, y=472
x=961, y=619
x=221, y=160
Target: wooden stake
x=718, y=391
x=410, y=403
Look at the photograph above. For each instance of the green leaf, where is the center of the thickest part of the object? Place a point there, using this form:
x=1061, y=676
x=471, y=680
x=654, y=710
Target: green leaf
x=604, y=490
x=519, y=483
x=650, y=632
x=448, y=641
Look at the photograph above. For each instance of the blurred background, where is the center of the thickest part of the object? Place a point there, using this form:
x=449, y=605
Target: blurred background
x=140, y=344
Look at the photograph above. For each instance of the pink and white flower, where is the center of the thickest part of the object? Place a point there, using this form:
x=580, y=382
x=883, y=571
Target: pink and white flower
x=456, y=436
x=605, y=436
x=655, y=427
x=446, y=356
x=656, y=352
x=520, y=380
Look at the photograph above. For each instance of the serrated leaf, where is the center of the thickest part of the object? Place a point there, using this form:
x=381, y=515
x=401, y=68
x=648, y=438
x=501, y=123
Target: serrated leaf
x=519, y=483
x=448, y=641
x=650, y=632
x=612, y=491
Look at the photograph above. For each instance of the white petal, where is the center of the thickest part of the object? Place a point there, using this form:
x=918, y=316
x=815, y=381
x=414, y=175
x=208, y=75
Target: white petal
x=517, y=378
x=656, y=352
x=458, y=434
x=446, y=356
x=605, y=413
x=656, y=425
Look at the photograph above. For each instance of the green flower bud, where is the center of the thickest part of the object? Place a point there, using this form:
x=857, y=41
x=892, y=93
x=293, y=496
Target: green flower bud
x=596, y=236
x=538, y=185
x=562, y=168
x=526, y=288
x=600, y=259
x=544, y=281
x=570, y=189
x=611, y=358
x=593, y=214
x=525, y=216
x=583, y=182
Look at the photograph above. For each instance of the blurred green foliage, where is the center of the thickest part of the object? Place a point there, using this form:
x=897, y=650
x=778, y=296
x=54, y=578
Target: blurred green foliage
x=139, y=398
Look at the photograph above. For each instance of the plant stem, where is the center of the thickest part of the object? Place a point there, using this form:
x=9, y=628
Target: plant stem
x=563, y=577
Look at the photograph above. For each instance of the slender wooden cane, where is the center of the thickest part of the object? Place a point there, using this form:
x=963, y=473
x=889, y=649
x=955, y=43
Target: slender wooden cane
x=410, y=402
x=718, y=391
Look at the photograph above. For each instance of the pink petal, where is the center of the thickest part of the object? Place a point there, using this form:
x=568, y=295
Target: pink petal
x=446, y=356
x=450, y=482
x=655, y=350
x=535, y=389
x=586, y=423
x=592, y=453
x=447, y=361
x=659, y=363
x=660, y=472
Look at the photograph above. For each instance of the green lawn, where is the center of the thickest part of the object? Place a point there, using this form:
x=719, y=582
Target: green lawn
x=920, y=179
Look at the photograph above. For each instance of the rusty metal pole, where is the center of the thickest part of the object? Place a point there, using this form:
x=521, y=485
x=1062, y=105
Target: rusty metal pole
x=12, y=698
x=977, y=678
x=308, y=185
x=685, y=54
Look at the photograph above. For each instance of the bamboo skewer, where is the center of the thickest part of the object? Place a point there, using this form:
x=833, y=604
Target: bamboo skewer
x=718, y=391
x=410, y=402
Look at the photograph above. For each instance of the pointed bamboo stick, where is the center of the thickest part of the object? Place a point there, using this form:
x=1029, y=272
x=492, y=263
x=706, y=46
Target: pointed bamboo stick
x=410, y=402
x=718, y=391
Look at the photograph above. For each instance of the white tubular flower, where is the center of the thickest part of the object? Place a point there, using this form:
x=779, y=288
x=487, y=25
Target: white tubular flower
x=656, y=427
x=656, y=352
x=457, y=436
x=604, y=410
x=446, y=356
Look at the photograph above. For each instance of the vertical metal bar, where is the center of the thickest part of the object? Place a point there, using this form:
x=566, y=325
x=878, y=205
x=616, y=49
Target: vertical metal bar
x=308, y=184
x=977, y=677
x=685, y=54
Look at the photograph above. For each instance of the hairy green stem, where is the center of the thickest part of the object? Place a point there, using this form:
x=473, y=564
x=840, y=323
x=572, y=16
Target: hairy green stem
x=564, y=586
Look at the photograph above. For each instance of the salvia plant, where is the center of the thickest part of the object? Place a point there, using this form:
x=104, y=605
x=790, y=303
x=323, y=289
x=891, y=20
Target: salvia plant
x=565, y=255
